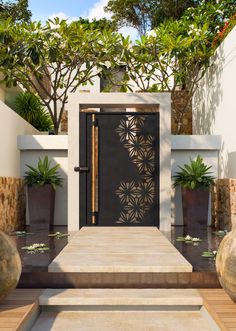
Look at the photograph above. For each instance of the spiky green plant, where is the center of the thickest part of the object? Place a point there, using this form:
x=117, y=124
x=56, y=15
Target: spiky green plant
x=195, y=175
x=43, y=174
x=28, y=106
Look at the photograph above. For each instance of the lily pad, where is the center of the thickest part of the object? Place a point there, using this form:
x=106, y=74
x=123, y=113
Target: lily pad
x=36, y=248
x=58, y=235
x=209, y=254
x=221, y=233
x=21, y=233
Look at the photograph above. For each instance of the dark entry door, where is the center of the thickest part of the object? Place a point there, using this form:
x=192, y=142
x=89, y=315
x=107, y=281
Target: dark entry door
x=119, y=169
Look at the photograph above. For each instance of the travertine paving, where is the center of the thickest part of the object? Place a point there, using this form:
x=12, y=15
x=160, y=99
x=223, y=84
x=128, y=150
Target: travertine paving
x=121, y=321
x=120, y=297
x=119, y=249
x=123, y=310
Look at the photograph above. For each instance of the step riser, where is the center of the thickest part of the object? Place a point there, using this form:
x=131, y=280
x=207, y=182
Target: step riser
x=119, y=280
x=119, y=308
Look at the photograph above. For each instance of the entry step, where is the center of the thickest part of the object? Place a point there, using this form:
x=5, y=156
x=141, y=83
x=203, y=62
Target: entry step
x=122, y=250
x=120, y=297
x=123, y=321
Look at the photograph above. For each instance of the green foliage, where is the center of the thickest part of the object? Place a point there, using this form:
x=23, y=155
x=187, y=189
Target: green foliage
x=101, y=24
x=43, y=174
x=63, y=55
x=176, y=54
x=214, y=13
x=209, y=254
x=132, y=13
x=194, y=175
x=36, y=248
x=18, y=11
x=146, y=14
x=149, y=14
x=28, y=106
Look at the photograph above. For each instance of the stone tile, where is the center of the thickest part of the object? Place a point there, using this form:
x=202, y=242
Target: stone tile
x=119, y=250
x=121, y=321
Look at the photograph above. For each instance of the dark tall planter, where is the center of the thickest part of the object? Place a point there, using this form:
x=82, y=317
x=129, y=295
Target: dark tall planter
x=195, y=207
x=41, y=202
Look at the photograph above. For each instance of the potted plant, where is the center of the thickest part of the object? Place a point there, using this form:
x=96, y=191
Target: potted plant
x=41, y=185
x=195, y=180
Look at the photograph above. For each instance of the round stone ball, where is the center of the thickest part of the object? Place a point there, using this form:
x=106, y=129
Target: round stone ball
x=10, y=266
x=226, y=263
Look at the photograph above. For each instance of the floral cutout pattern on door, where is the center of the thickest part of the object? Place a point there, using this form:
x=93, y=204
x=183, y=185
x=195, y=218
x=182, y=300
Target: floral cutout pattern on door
x=137, y=197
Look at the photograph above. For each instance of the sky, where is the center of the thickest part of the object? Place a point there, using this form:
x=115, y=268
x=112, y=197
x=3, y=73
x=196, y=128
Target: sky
x=71, y=10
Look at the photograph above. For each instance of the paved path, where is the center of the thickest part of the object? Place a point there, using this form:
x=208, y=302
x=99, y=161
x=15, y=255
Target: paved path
x=119, y=249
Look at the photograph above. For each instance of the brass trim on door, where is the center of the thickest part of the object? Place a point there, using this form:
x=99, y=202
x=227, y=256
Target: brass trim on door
x=94, y=168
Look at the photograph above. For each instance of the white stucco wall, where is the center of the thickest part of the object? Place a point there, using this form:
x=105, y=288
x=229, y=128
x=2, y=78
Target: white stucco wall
x=11, y=125
x=56, y=148
x=214, y=103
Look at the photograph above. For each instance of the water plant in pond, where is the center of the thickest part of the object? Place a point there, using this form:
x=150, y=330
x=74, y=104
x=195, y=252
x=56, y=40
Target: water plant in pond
x=220, y=233
x=189, y=240
x=36, y=248
x=209, y=254
x=58, y=235
x=21, y=233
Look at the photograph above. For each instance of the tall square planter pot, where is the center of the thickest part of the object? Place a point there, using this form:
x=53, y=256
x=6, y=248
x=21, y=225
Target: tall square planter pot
x=41, y=203
x=195, y=207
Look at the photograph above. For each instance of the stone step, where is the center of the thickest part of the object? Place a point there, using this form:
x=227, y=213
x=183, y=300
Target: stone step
x=123, y=310
x=132, y=298
x=119, y=250
x=124, y=321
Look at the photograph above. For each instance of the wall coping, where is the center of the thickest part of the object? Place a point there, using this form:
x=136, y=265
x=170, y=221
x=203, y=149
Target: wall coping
x=42, y=142
x=196, y=142
x=60, y=142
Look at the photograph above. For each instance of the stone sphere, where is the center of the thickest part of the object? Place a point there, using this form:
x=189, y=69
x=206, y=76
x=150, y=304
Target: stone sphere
x=226, y=264
x=10, y=266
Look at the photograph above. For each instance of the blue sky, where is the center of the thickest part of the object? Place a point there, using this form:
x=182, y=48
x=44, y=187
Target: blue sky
x=42, y=9
x=72, y=10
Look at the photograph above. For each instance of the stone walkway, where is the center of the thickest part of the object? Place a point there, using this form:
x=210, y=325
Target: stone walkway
x=119, y=249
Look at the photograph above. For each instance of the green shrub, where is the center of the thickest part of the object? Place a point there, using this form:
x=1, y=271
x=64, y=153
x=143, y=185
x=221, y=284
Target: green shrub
x=28, y=106
x=43, y=174
x=194, y=175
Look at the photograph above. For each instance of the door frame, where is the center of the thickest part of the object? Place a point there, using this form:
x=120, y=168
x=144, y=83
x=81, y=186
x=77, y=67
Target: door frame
x=83, y=153
x=162, y=101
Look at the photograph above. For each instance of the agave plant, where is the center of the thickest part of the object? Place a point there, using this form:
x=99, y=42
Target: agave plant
x=195, y=175
x=43, y=174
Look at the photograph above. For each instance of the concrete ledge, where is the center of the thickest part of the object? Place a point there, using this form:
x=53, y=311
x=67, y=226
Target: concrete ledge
x=42, y=142
x=196, y=142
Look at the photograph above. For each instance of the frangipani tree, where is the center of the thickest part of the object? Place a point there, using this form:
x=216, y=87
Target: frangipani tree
x=54, y=59
x=176, y=54
x=168, y=59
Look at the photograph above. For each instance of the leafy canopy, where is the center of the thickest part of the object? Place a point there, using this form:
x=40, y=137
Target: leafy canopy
x=176, y=54
x=54, y=59
x=146, y=14
x=16, y=10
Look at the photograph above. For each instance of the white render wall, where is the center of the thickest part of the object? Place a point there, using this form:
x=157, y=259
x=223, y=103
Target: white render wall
x=214, y=104
x=11, y=126
x=56, y=148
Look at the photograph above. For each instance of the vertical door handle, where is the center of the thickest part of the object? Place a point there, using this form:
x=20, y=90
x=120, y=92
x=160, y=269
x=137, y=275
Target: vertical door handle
x=94, y=168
